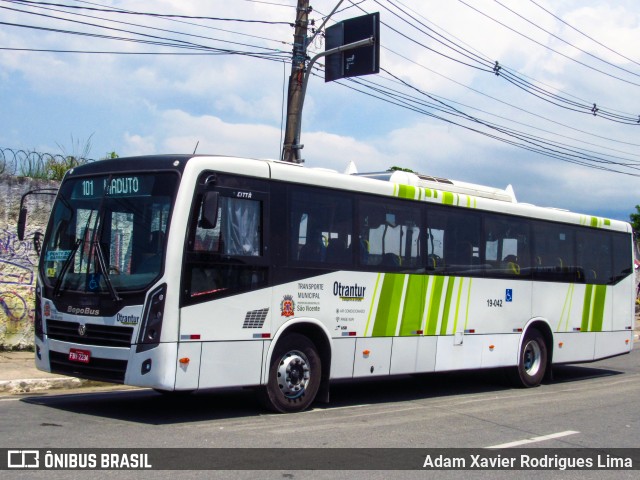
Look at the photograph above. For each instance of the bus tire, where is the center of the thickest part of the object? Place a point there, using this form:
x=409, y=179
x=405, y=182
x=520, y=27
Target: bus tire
x=532, y=360
x=294, y=375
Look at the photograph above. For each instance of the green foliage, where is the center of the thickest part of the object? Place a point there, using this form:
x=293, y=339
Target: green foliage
x=634, y=219
x=110, y=155
x=395, y=168
x=56, y=167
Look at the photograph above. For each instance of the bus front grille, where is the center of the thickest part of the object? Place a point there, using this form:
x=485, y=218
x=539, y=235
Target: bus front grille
x=99, y=335
x=101, y=369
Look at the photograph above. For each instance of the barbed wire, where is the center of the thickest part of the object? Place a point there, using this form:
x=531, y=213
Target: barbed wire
x=28, y=163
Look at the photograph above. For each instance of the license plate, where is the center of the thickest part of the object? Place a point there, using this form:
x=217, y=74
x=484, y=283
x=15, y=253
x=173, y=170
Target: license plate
x=81, y=356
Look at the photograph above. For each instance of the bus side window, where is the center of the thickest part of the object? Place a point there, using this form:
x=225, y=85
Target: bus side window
x=507, y=250
x=227, y=257
x=321, y=227
x=554, y=253
x=241, y=226
x=390, y=235
x=458, y=232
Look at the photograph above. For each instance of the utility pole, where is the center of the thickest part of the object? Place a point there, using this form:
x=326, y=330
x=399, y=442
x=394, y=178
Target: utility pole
x=291, y=147
x=301, y=68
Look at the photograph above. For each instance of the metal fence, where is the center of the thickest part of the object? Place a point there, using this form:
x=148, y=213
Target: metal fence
x=25, y=163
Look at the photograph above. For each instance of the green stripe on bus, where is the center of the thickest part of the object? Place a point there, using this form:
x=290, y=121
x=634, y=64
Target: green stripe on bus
x=600, y=296
x=594, y=221
x=413, y=304
x=373, y=299
x=586, y=308
x=434, y=305
x=447, y=305
x=566, y=308
x=466, y=319
x=448, y=198
x=406, y=191
x=455, y=318
x=388, y=305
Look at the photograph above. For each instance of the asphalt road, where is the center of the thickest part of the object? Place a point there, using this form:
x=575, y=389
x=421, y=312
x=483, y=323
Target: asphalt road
x=593, y=405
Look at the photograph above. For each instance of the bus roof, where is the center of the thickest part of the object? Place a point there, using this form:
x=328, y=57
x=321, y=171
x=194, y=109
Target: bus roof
x=399, y=184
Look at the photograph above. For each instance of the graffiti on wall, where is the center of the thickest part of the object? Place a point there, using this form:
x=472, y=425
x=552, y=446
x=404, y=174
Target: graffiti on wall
x=18, y=258
x=18, y=261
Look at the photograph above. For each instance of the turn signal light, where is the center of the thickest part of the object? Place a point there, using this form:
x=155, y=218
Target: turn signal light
x=184, y=361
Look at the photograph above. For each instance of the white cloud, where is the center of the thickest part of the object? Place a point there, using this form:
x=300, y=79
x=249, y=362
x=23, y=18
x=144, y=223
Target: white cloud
x=232, y=105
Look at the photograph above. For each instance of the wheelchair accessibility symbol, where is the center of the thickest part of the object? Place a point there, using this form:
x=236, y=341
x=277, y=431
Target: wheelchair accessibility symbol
x=508, y=297
x=93, y=283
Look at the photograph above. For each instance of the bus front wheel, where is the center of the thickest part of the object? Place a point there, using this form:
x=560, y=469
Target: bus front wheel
x=294, y=375
x=532, y=360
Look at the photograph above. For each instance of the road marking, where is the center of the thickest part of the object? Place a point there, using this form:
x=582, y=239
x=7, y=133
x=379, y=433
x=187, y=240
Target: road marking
x=542, y=438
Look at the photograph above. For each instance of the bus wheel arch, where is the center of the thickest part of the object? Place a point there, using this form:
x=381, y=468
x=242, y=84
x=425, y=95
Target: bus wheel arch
x=303, y=350
x=534, y=355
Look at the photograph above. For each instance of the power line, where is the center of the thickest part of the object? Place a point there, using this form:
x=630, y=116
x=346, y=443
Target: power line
x=415, y=13
x=549, y=48
x=208, y=27
x=170, y=43
x=136, y=33
x=565, y=41
x=584, y=34
x=517, y=80
x=149, y=14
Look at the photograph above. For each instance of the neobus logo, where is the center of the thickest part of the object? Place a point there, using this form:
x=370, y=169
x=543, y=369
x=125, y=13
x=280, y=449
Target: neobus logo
x=82, y=310
x=348, y=292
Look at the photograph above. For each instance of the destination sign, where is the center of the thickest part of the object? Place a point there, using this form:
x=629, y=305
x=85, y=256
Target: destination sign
x=129, y=186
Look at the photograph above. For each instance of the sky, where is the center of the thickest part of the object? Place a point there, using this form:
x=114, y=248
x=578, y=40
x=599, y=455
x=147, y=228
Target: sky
x=437, y=106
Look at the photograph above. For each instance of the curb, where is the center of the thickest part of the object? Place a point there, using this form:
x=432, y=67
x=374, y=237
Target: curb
x=40, y=384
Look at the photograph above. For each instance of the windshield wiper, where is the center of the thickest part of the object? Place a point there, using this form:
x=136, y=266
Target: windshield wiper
x=65, y=267
x=97, y=247
x=105, y=272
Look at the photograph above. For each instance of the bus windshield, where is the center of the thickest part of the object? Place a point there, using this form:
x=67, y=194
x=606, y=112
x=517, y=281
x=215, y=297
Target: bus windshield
x=107, y=233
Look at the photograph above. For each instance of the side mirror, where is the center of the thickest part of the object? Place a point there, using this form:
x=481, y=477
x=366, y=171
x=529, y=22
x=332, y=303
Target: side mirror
x=22, y=223
x=209, y=210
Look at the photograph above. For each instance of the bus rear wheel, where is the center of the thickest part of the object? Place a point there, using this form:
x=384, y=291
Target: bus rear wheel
x=532, y=360
x=294, y=375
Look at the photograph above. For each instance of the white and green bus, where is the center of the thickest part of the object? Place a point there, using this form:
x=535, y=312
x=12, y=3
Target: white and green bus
x=186, y=273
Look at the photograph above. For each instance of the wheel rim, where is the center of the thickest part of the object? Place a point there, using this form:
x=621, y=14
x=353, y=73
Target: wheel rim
x=294, y=374
x=532, y=358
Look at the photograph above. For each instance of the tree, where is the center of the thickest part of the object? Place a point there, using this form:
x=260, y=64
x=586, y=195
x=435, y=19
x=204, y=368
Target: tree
x=635, y=219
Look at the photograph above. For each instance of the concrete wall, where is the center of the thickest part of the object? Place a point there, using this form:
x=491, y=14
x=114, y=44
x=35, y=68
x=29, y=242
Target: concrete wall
x=18, y=259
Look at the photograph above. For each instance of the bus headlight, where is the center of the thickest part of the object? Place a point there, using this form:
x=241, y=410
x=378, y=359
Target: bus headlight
x=151, y=327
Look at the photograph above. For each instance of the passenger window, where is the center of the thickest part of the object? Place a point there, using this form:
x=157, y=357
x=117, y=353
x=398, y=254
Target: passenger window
x=506, y=246
x=237, y=231
x=321, y=228
x=453, y=242
x=226, y=257
x=622, y=266
x=554, y=253
x=389, y=235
